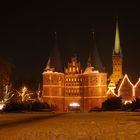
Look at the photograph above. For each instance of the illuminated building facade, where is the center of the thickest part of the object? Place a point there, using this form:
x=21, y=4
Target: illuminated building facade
x=75, y=89
x=86, y=89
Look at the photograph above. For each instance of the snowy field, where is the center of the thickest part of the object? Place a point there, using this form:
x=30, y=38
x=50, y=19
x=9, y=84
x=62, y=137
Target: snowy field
x=70, y=126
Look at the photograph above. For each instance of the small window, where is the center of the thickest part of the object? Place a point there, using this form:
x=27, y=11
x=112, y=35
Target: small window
x=50, y=77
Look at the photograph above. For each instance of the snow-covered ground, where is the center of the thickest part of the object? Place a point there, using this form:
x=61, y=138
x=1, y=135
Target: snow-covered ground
x=70, y=126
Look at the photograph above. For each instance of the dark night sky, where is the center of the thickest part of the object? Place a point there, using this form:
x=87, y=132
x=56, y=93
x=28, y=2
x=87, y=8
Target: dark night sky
x=26, y=34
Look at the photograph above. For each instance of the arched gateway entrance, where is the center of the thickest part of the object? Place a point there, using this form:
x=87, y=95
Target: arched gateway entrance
x=74, y=106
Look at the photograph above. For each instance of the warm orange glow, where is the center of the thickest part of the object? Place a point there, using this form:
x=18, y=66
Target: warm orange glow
x=74, y=69
x=77, y=69
x=70, y=69
x=66, y=70
x=99, y=82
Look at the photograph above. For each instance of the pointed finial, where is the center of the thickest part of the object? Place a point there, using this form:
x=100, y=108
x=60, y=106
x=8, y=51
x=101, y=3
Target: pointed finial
x=55, y=34
x=89, y=62
x=93, y=35
x=48, y=64
x=117, y=47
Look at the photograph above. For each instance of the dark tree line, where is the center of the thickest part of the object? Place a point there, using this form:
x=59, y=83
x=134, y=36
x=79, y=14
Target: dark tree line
x=26, y=106
x=115, y=103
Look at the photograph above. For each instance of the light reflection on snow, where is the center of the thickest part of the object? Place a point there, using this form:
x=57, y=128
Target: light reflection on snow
x=2, y=106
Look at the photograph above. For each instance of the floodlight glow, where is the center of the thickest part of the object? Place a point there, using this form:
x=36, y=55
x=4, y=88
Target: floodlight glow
x=24, y=89
x=127, y=102
x=2, y=106
x=74, y=104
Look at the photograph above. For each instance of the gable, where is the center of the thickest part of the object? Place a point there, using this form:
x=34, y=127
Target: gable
x=126, y=90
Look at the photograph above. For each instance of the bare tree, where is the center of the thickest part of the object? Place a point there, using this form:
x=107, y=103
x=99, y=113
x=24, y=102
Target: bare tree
x=7, y=94
x=39, y=93
x=5, y=74
x=24, y=94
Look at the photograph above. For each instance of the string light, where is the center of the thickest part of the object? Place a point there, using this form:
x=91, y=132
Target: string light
x=126, y=77
x=111, y=91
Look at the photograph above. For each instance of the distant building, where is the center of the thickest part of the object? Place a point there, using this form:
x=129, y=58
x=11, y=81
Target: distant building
x=75, y=89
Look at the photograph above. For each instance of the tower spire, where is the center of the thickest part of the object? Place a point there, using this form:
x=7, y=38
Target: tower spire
x=94, y=59
x=117, y=47
x=90, y=57
x=117, y=59
x=54, y=61
x=49, y=63
x=89, y=62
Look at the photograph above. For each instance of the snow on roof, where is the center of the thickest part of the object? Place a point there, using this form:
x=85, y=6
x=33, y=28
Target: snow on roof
x=51, y=72
x=89, y=70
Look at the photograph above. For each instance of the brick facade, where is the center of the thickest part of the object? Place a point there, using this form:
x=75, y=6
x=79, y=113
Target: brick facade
x=87, y=89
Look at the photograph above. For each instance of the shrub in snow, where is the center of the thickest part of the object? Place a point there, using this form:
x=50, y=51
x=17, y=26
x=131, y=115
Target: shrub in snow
x=29, y=106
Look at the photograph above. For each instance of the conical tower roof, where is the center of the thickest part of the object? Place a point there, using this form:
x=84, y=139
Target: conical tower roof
x=54, y=61
x=117, y=47
x=94, y=59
